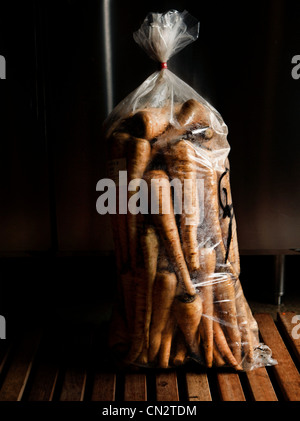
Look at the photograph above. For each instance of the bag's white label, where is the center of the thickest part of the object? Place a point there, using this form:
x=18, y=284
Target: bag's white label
x=114, y=168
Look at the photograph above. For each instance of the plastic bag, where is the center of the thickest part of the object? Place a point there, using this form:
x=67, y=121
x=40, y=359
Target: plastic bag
x=178, y=294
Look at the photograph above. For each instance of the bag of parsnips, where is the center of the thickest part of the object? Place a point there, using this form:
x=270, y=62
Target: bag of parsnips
x=178, y=293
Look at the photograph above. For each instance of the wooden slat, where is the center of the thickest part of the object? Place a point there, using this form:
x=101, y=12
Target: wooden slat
x=261, y=387
x=22, y=362
x=5, y=351
x=197, y=387
x=44, y=379
x=135, y=387
x=104, y=387
x=43, y=386
x=290, y=323
x=73, y=387
x=285, y=371
x=230, y=387
x=166, y=386
x=75, y=360
x=19, y=370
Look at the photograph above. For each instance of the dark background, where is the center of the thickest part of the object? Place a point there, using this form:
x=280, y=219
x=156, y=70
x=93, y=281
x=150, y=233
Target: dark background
x=55, y=250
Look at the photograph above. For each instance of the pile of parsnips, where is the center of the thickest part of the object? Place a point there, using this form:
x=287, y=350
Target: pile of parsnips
x=177, y=296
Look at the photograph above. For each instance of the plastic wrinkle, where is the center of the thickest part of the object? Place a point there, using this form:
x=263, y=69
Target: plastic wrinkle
x=262, y=358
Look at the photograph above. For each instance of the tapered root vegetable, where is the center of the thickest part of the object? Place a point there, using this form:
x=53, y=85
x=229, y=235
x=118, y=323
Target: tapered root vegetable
x=200, y=307
x=148, y=123
x=217, y=357
x=223, y=347
x=164, y=220
x=187, y=312
x=162, y=262
x=224, y=286
x=163, y=295
x=190, y=113
x=207, y=259
x=210, y=225
x=166, y=343
x=150, y=248
x=180, y=349
x=143, y=358
x=181, y=164
x=138, y=155
x=244, y=324
x=225, y=299
x=252, y=323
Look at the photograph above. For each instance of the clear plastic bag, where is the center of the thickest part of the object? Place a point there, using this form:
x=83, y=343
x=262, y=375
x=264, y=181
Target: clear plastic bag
x=178, y=295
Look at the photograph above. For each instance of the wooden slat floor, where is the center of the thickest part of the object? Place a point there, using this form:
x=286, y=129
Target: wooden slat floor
x=73, y=367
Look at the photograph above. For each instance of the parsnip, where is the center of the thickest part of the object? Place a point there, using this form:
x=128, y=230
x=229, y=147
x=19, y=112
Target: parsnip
x=180, y=349
x=165, y=224
x=207, y=258
x=166, y=343
x=244, y=324
x=163, y=295
x=149, y=122
x=187, y=312
x=222, y=345
x=224, y=286
x=191, y=112
x=150, y=248
x=138, y=155
x=181, y=164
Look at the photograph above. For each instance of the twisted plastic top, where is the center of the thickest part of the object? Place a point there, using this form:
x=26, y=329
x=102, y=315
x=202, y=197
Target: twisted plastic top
x=162, y=35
